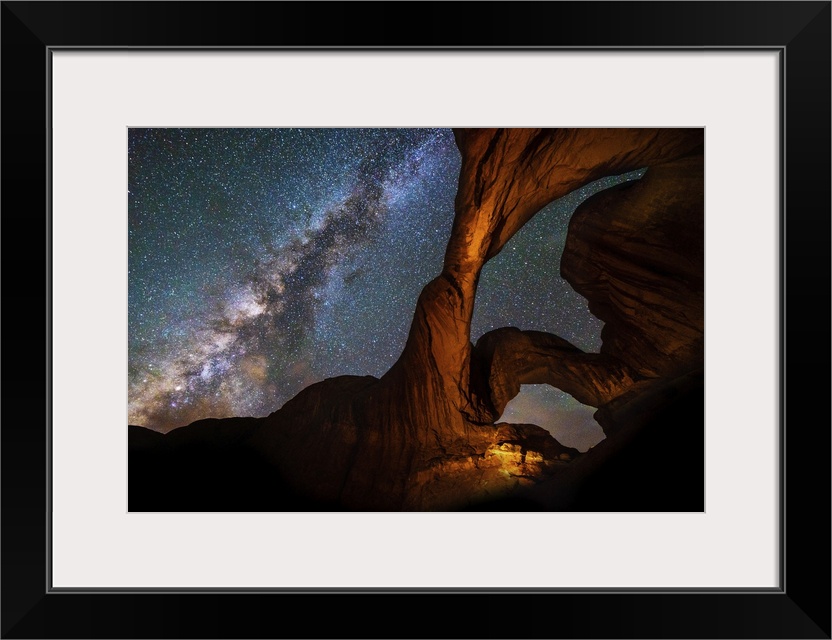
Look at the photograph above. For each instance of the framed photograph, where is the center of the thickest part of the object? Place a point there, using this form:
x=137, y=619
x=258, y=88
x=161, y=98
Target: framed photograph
x=173, y=148
x=312, y=227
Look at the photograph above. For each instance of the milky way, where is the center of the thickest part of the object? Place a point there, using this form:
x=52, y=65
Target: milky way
x=262, y=260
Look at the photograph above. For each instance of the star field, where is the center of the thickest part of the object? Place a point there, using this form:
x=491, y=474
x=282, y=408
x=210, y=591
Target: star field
x=263, y=260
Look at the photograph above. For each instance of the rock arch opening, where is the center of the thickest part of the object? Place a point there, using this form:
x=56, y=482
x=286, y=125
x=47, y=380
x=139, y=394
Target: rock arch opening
x=570, y=422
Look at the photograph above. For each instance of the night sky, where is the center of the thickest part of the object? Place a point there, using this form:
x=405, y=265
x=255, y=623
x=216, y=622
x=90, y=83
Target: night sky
x=263, y=260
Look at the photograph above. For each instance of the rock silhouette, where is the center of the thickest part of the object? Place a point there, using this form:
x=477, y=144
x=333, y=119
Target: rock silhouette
x=422, y=437
x=637, y=254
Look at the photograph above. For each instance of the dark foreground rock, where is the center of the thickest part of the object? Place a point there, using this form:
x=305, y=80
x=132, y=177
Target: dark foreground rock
x=652, y=461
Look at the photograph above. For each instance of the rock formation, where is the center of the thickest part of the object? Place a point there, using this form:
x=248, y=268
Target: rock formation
x=506, y=358
x=637, y=253
x=423, y=436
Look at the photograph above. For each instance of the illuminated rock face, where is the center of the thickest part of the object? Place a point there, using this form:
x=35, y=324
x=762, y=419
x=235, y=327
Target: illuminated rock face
x=516, y=458
x=423, y=436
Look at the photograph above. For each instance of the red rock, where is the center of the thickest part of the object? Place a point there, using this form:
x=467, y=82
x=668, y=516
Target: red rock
x=637, y=253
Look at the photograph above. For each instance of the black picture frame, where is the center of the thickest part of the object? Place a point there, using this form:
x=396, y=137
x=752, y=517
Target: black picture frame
x=800, y=608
